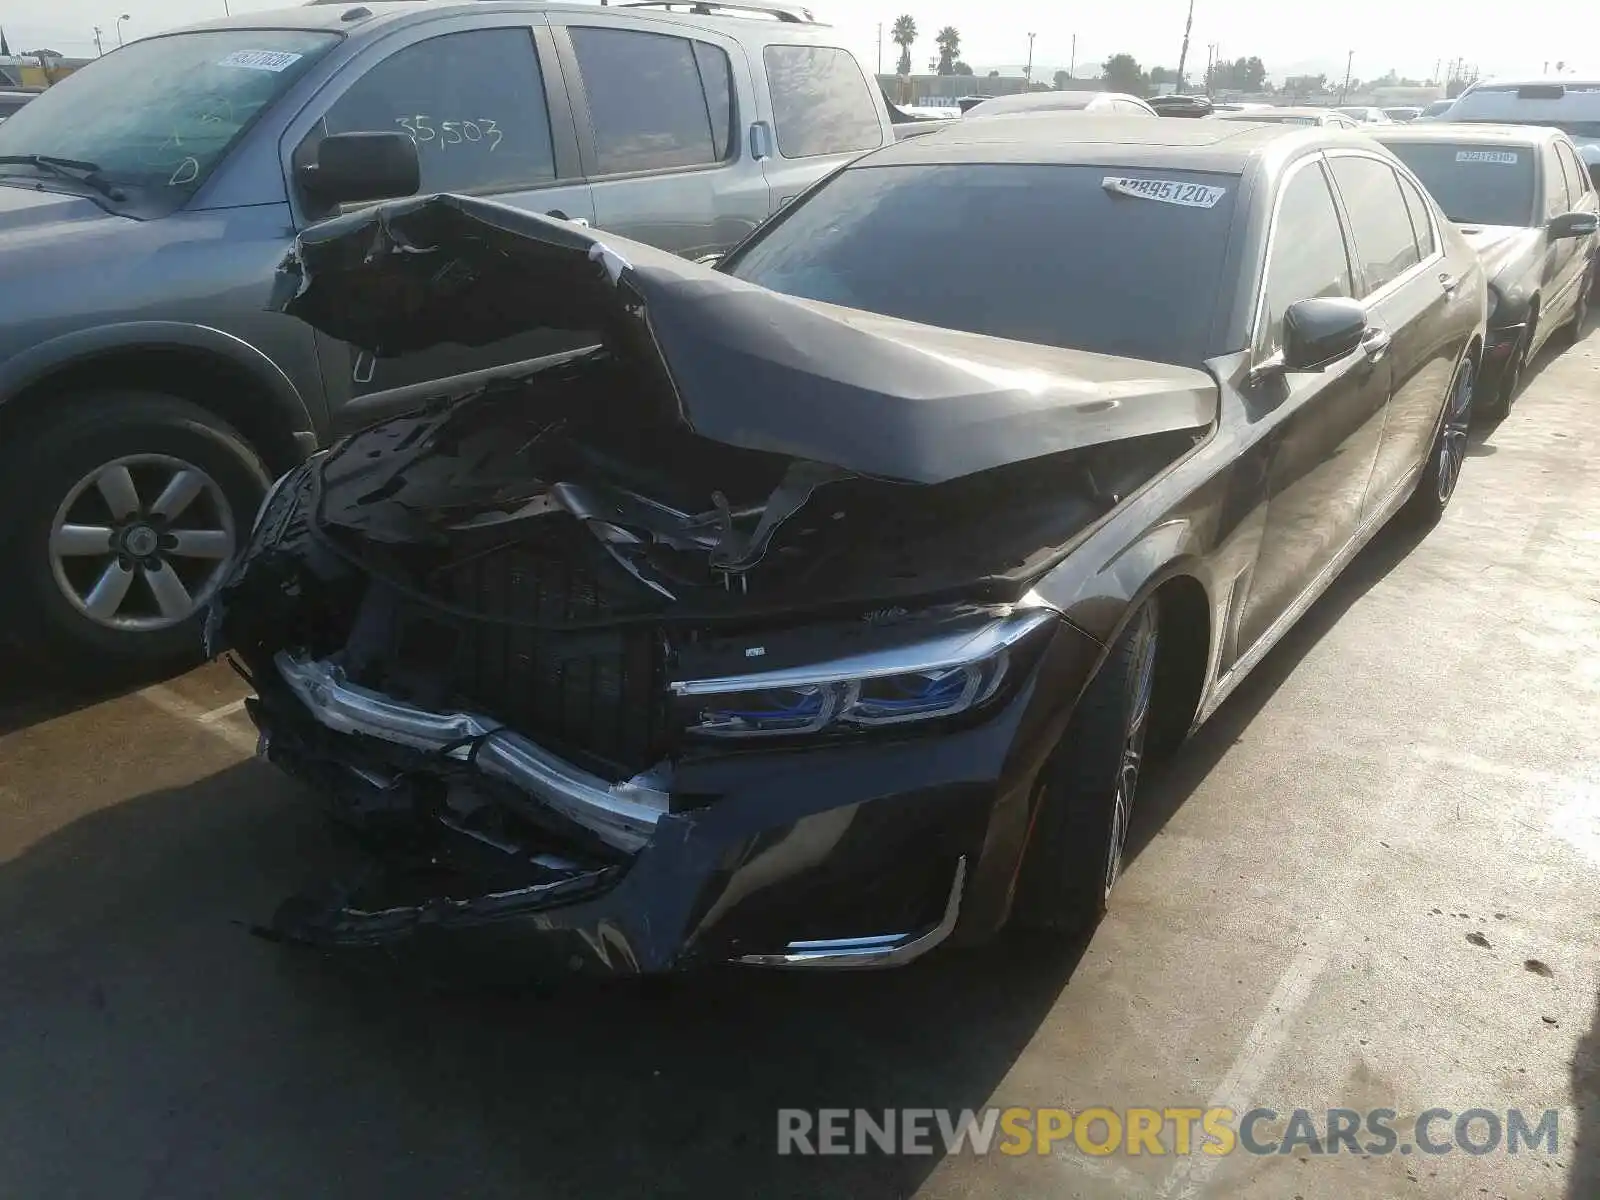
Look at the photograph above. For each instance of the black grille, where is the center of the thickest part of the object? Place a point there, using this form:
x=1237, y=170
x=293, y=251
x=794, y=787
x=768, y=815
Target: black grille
x=593, y=695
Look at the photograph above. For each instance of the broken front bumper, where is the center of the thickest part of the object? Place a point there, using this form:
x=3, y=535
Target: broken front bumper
x=866, y=854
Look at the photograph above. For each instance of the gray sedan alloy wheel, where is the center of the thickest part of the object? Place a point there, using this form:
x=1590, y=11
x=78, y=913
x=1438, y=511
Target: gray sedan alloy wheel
x=141, y=542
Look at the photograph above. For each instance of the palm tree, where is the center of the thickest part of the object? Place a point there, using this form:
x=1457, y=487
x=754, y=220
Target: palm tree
x=949, y=43
x=903, y=35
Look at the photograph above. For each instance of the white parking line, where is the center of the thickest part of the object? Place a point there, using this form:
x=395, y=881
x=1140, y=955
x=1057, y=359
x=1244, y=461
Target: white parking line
x=1237, y=1090
x=213, y=720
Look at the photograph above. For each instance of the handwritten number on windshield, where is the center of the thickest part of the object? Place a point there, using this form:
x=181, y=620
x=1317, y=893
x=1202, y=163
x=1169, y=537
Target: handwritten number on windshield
x=420, y=126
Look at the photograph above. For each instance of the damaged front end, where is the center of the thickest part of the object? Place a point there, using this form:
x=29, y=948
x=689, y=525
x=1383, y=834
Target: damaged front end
x=714, y=641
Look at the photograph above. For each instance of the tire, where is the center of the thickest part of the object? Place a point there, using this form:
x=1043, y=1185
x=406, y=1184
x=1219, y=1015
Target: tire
x=124, y=512
x=1448, y=453
x=1087, y=790
x=1580, y=310
x=1498, y=405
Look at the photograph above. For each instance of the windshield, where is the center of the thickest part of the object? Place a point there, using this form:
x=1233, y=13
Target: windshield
x=1092, y=258
x=157, y=115
x=1474, y=184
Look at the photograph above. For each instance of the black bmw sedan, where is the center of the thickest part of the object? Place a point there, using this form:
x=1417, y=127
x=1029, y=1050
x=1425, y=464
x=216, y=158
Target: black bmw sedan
x=1523, y=197
x=825, y=606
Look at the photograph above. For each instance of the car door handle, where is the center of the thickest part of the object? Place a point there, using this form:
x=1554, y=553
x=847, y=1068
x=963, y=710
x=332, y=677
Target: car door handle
x=561, y=216
x=1449, y=282
x=1376, y=343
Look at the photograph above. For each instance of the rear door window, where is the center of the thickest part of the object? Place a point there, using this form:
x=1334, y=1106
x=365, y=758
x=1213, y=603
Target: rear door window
x=473, y=102
x=1421, y=226
x=1379, y=224
x=820, y=102
x=1307, y=258
x=649, y=107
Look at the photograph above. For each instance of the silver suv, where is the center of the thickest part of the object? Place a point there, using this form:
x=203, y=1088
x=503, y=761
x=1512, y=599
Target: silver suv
x=147, y=396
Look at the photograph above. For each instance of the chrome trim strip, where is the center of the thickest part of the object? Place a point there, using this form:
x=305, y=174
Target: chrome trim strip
x=623, y=815
x=946, y=650
x=877, y=950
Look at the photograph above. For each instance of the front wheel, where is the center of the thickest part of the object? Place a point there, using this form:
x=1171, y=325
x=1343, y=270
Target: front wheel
x=1448, y=453
x=127, y=510
x=1580, y=308
x=1086, y=791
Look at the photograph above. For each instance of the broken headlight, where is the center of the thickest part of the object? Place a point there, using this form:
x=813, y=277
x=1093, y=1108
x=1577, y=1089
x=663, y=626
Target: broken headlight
x=944, y=676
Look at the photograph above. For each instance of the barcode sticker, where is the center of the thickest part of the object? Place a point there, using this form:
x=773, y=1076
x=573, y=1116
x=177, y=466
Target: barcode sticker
x=259, y=60
x=1167, y=191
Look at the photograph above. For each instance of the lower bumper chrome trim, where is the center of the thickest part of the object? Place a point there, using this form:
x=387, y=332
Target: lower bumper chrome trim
x=623, y=815
x=878, y=950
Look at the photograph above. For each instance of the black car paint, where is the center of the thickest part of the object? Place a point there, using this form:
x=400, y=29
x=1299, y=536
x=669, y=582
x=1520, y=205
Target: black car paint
x=769, y=845
x=1536, y=280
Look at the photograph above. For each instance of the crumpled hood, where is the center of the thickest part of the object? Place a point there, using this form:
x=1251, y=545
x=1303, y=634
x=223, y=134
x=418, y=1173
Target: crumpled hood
x=730, y=361
x=1500, y=247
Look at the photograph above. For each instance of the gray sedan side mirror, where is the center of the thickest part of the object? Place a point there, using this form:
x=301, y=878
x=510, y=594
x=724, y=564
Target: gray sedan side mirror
x=1573, y=225
x=1321, y=331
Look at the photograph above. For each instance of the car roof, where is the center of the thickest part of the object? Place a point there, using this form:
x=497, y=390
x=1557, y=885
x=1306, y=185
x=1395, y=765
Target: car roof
x=1222, y=146
x=1507, y=83
x=1468, y=131
x=337, y=16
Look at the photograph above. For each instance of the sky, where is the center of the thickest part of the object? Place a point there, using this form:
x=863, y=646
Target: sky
x=1411, y=38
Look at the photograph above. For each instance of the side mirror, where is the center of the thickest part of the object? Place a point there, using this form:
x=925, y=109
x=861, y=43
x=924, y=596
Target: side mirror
x=354, y=167
x=1573, y=225
x=1321, y=331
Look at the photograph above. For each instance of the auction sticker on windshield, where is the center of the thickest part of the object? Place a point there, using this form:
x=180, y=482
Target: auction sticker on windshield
x=260, y=60
x=1504, y=157
x=1167, y=191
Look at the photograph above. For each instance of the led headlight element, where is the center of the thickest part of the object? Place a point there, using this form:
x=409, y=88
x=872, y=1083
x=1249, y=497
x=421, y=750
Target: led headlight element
x=923, y=681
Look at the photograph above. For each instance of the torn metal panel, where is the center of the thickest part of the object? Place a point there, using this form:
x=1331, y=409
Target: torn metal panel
x=730, y=361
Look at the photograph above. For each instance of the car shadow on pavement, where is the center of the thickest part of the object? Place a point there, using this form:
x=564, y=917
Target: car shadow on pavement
x=1583, y=1144
x=32, y=691
x=155, y=1048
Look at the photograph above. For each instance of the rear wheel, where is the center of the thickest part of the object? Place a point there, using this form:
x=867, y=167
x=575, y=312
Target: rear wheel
x=1087, y=789
x=127, y=511
x=1449, y=452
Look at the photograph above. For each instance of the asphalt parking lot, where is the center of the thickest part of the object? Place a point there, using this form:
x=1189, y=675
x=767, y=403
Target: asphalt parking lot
x=1370, y=882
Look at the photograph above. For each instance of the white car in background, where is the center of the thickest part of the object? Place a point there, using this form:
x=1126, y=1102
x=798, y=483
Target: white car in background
x=1365, y=115
x=1100, y=103
x=1568, y=104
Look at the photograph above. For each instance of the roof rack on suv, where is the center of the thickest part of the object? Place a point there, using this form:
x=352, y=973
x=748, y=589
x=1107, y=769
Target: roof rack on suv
x=790, y=13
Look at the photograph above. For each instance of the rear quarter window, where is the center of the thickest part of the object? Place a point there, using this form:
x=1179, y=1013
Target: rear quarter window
x=821, y=103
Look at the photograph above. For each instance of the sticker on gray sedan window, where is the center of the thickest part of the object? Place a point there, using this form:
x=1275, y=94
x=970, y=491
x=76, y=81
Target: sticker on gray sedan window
x=1504, y=157
x=1167, y=191
x=259, y=60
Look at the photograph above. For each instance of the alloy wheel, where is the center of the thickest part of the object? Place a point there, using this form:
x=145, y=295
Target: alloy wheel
x=141, y=542
x=1453, y=437
x=1141, y=684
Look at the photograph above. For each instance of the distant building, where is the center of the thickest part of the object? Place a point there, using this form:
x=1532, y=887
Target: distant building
x=29, y=71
